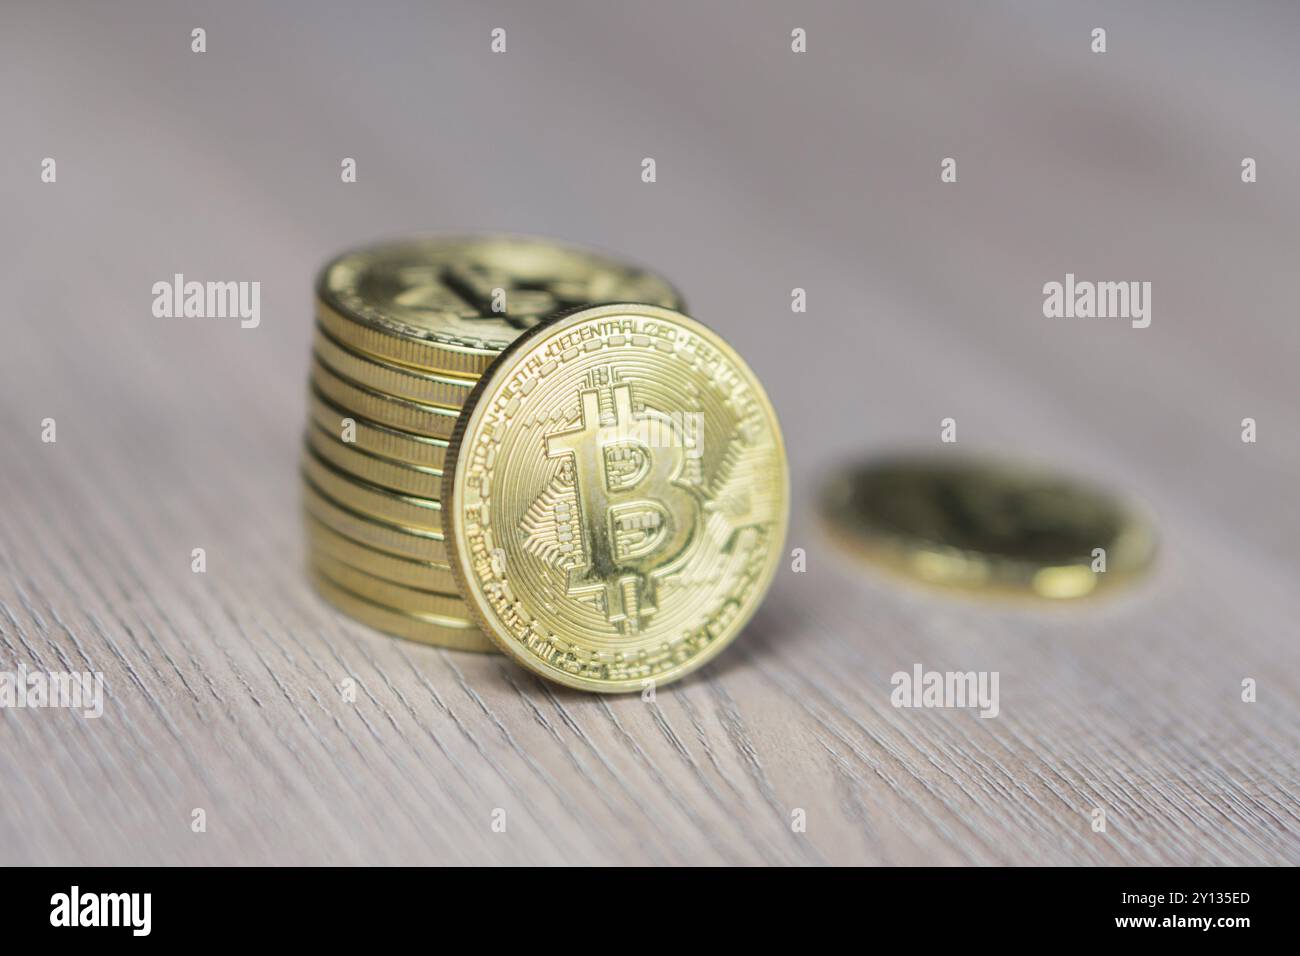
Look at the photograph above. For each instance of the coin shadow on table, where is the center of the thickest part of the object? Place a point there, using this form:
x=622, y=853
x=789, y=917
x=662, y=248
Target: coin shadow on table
x=770, y=631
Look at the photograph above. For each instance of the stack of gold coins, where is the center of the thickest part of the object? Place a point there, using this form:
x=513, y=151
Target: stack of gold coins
x=404, y=331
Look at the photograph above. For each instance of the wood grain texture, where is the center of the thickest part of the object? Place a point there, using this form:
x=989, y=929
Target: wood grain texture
x=775, y=171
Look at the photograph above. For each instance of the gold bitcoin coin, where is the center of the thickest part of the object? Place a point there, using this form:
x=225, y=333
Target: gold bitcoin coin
x=413, y=574
x=987, y=526
x=371, y=500
x=385, y=472
x=373, y=437
x=453, y=304
x=388, y=593
x=616, y=497
x=442, y=631
x=428, y=388
x=431, y=421
x=405, y=542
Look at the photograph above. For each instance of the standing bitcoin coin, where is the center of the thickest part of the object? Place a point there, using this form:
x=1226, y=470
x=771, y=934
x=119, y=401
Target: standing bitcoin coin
x=616, y=497
x=452, y=305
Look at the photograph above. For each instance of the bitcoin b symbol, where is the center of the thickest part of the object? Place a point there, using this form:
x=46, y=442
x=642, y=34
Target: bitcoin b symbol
x=482, y=288
x=638, y=522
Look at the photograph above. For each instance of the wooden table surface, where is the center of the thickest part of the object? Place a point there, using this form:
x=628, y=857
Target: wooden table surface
x=775, y=170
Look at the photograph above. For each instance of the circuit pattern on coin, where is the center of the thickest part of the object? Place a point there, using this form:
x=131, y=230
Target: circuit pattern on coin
x=618, y=499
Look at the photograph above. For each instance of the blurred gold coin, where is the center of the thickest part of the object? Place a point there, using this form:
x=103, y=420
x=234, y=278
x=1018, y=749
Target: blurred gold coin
x=987, y=526
x=453, y=304
x=385, y=472
x=429, y=388
x=388, y=593
x=431, y=421
x=371, y=500
x=439, y=630
x=414, y=574
x=615, y=497
x=373, y=437
x=413, y=543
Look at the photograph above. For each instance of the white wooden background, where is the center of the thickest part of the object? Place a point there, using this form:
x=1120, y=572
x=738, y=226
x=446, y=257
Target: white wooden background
x=775, y=170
